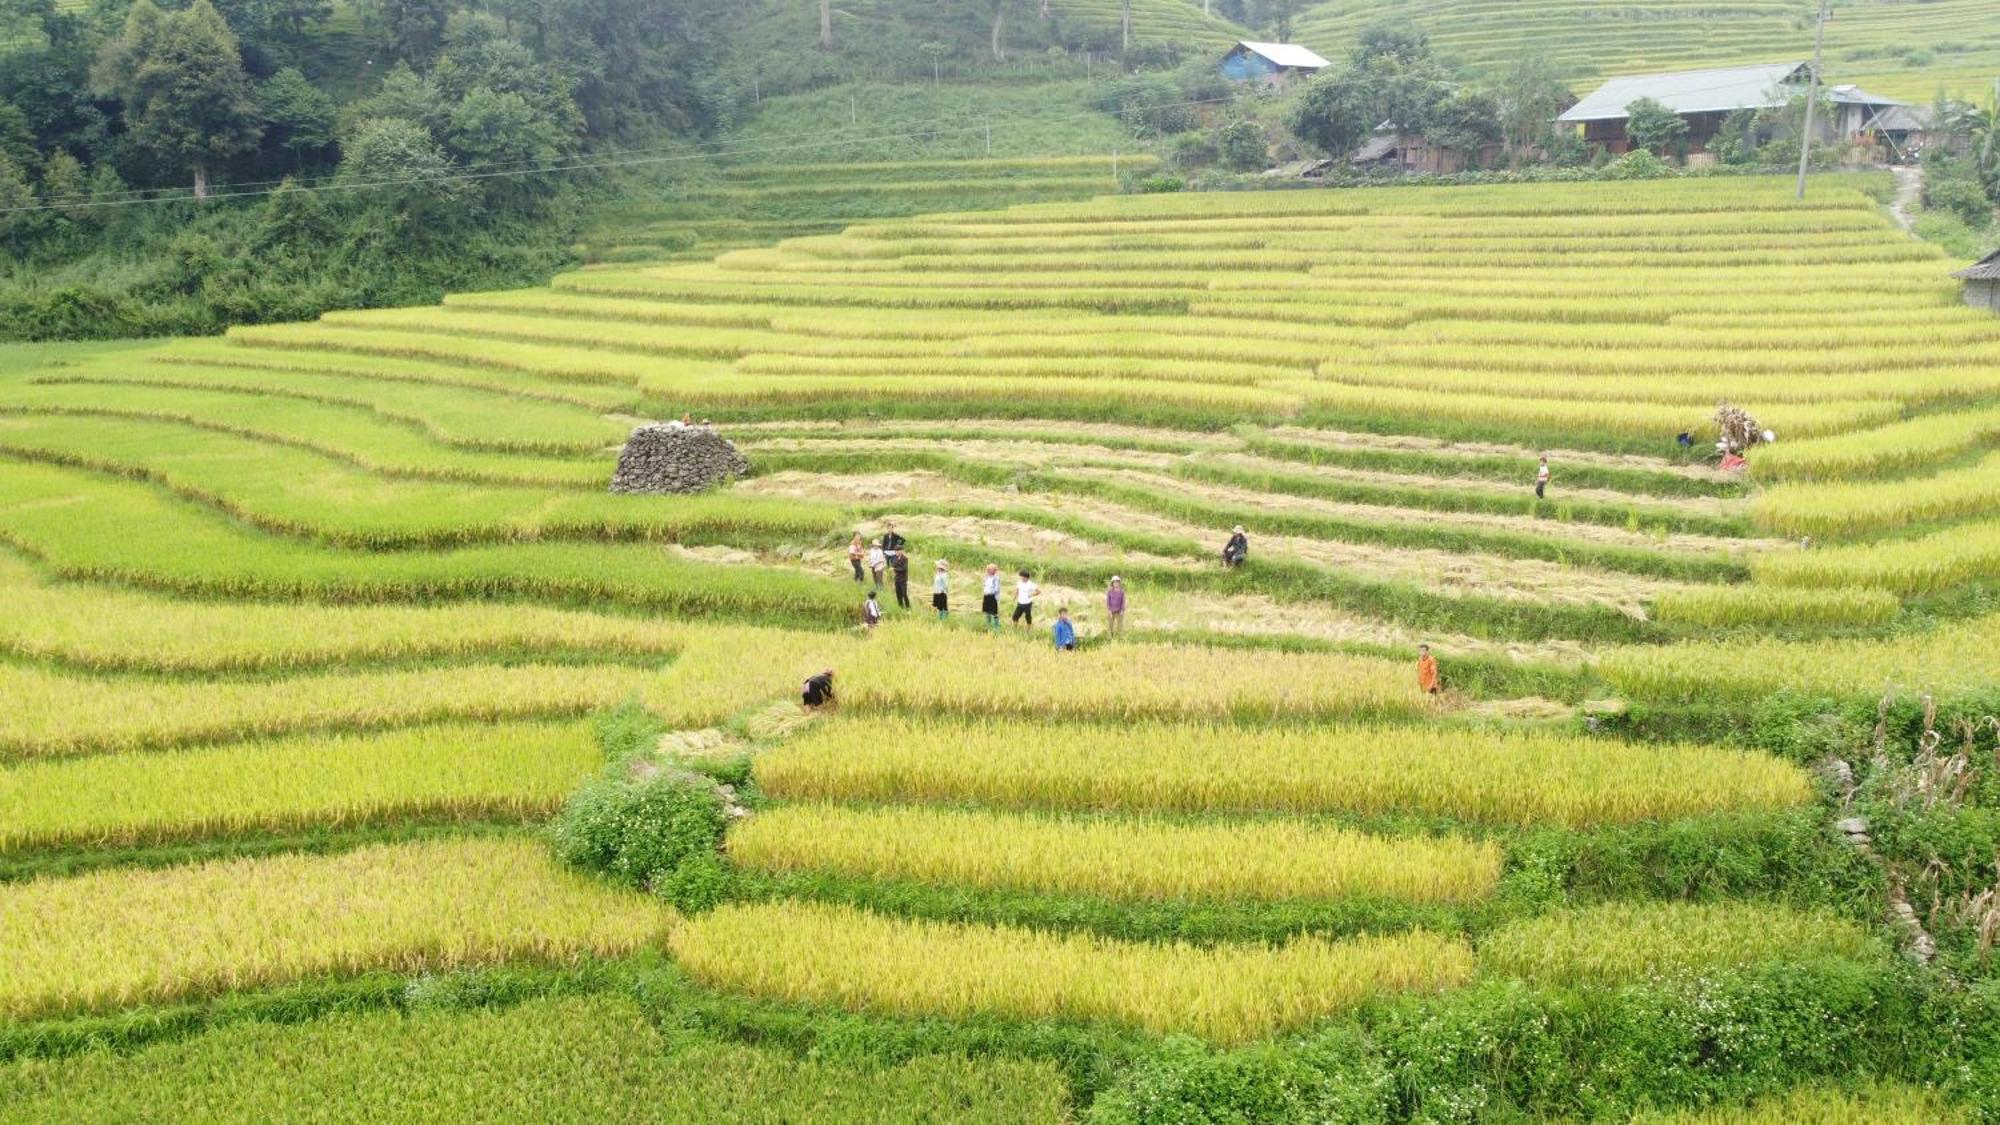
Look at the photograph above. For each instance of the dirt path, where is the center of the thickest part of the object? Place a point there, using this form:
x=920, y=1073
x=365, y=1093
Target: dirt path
x=1909, y=185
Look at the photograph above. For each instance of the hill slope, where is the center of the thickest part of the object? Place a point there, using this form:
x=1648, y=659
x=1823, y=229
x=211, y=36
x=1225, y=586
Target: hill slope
x=1900, y=49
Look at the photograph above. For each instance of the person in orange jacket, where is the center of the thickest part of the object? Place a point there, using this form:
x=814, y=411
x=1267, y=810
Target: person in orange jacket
x=1427, y=670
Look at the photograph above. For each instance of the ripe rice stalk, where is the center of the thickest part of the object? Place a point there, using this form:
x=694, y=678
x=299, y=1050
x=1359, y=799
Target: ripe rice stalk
x=1227, y=993
x=1116, y=858
x=126, y=937
x=585, y=1058
x=1622, y=942
x=460, y=771
x=1466, y=775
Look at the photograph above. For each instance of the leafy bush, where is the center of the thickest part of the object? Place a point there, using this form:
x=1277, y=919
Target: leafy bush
x=1962, y=198
x=1637, y=165
x=643, y=831
x=1332, y=1077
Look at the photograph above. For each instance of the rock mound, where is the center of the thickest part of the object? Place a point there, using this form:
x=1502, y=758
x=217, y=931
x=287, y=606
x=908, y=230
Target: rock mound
x=675, y=457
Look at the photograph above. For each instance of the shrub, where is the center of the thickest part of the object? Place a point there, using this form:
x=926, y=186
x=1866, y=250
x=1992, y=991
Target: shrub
x=1332, y=1077
x=642, y=827
x=1638, y=165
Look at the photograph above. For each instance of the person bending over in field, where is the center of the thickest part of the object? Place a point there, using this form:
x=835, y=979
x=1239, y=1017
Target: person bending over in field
x=818, y=691
x=1237, y=550
x=1427, y=670
x=1025, y=592
x=941, y=591
x=1065, y=631
x=989, y=597
x=1114, y=606
x=900, y=564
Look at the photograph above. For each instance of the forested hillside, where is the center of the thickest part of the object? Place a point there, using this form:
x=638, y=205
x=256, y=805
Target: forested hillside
x=176, y=168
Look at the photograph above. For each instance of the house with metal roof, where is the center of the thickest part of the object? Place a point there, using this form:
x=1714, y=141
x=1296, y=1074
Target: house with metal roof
x=1705, y=98
x=1270, y=63
x=1982, y=283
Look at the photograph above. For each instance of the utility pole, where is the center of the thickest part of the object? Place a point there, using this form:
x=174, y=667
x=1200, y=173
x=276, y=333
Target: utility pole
x=1812, y=99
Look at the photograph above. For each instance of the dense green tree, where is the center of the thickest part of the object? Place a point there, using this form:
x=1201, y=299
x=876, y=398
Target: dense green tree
x=1652, y=126
x=413, y=30
x=274, y=31
x=298, y=116
x=403, y=94
x=1404, y=43
x=1241, y=145
x=1529, y=95
x=396, y=168
x=66, y=185
x=17, y=198
x=181, y=80
x=17, y=140
x=1465, y=119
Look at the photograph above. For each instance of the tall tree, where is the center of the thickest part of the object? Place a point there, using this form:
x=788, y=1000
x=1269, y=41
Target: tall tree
x=414, y=29
x=1653, y=126
x=1125, y=25
x=181, y=80
x=826, y=25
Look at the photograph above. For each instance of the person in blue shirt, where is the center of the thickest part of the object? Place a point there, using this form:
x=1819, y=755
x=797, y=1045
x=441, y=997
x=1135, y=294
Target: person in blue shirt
x=1065, y=631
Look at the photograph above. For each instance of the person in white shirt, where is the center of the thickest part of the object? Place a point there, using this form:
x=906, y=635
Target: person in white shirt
x=1025, y=592
x=989, y=597
x=941, y=591
x=1542, y=480
x=878, y=562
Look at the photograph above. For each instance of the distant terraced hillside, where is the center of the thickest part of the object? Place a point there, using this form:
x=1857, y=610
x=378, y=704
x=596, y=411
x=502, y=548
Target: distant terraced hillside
x=1901, y=49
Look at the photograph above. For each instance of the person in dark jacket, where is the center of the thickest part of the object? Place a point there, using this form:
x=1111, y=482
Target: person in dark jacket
x=818, y=691
x=1237, y=549
x=892, y=541
x=900, y=564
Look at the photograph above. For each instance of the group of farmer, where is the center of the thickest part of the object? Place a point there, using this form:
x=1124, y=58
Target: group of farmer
x=889, y=557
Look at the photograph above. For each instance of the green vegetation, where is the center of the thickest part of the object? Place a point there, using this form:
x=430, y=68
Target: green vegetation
x=588, y=1057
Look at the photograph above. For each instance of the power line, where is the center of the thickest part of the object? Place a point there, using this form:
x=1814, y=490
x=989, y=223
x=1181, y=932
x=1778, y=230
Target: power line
x=585, y=163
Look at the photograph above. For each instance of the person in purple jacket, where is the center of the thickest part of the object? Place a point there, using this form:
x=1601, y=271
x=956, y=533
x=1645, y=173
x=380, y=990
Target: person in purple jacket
x=1114, y=607
x=1065, y=632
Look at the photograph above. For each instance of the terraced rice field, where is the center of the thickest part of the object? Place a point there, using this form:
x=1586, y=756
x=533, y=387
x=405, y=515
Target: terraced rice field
x=1905, y=51
x=311, y=626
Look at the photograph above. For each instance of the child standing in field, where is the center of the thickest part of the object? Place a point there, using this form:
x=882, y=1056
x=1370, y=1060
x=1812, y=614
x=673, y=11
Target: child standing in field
x=989, y=597
x=1114, y=607
x=871, y=612
x=1065, y=632
x=1427, y=670
x=1025, y=592
x=877, y=562
x=856, y=551
x=900, y=564
x=941, y=591
x=1542, y=480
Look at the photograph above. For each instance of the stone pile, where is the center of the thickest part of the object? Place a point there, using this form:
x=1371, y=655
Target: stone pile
x=675, y=457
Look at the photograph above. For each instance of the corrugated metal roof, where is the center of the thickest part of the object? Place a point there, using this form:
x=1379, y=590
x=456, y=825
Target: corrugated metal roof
x=1286, y=54
x=1986, y=269
x=1690, y=91
x=1855, y=95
